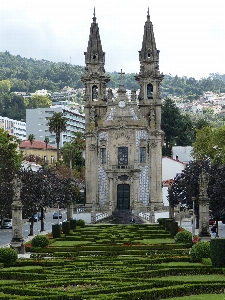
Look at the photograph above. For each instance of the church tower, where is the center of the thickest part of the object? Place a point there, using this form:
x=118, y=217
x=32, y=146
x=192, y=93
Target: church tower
x=150, y=104
x=123, y=159
x=95, y=81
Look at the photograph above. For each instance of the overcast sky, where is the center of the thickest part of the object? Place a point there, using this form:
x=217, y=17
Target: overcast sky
x=190, y=34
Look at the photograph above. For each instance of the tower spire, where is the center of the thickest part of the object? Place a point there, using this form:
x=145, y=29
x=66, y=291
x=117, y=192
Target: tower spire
x=94, y=18
x=148, y=16
x=94, y=52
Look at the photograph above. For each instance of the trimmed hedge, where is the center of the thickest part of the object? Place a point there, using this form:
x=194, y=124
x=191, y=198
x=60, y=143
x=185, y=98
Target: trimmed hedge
x=217, y=251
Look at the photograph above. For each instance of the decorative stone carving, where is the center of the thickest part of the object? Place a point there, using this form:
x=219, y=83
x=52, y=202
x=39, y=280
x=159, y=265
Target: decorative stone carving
x=92, y=147
x=92, y=114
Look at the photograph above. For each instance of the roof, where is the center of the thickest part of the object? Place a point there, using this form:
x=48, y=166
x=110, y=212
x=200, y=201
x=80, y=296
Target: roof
x=35, y=145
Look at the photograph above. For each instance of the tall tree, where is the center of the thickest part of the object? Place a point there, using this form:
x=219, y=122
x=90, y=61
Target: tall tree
x=57, y=124
x=177, y=127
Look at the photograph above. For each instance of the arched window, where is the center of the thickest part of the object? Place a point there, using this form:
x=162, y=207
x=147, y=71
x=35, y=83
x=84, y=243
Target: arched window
x=149, y=91
x=94, y=92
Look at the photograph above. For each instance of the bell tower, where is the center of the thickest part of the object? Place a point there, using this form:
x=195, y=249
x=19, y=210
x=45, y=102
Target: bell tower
x=94, y=78
x=149, y=79
x=95, y=98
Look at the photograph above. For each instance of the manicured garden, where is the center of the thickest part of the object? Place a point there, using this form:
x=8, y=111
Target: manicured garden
x=113, y=262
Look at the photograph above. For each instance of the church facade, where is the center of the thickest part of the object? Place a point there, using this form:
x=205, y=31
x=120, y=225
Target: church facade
x=123, y=158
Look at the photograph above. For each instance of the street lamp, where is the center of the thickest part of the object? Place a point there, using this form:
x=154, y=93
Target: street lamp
x=193, y=218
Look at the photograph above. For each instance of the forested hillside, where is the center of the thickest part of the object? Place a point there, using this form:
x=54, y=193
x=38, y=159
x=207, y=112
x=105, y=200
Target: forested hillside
x=30, y=74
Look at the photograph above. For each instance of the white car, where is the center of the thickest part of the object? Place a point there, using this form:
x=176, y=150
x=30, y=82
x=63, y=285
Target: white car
x=6, y=223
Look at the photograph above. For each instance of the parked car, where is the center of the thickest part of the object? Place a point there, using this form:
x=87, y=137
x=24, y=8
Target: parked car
x=6, y=223
x=57, y=215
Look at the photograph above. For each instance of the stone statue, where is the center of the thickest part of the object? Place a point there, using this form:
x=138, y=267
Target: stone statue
x=17, y=187
x=203, y=183
x=94, y=92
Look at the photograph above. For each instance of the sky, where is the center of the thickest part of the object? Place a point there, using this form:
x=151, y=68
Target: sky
x=190, y=34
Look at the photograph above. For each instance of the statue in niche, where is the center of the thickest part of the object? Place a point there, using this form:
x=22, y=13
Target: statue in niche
x=149, y=91
x=110, y=95
x=94, y=92
x=92, y=114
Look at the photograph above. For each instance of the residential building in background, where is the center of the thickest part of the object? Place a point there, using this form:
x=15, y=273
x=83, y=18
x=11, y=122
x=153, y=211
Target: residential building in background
x=14, y=127
x=37, y=120
x=38, y=152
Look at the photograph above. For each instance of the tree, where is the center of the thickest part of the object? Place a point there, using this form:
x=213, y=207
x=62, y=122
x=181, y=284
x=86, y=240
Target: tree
x=186, y=187
x=10, y=162
x=73, y=152
x=31, y=138
x=210, y=143
x=177, y=127
x=57, y=124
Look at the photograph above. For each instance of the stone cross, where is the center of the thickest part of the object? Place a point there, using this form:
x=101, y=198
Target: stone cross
x=121, y=74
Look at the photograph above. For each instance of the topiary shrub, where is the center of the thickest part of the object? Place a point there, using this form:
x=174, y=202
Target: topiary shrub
x=8, y=256
x=66, y=227
x=56, y=231
x=173, y=228
x=199, y=251
x=40, y=241
x=73, y=224
x=80, y=223
x=183, y=237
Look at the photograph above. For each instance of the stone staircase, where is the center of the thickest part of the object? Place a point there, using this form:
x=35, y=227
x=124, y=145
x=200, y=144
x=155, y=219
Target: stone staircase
x=125, y=217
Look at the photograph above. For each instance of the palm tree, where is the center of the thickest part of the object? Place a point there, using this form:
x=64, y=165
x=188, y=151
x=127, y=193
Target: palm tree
x=31, y=138
x=57, y=124
x=46, y=141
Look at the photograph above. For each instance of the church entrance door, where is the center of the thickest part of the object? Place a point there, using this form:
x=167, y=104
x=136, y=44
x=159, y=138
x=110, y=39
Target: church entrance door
x=123, y=197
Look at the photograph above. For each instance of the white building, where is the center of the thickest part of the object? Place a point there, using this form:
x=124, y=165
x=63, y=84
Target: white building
x=37, y=120
x=14, y=127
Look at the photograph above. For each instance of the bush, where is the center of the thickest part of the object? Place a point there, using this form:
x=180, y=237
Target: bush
x=199, y=251
x=40, y=241
x=183, y=237
x=8, y=256
x=80, y=223
x=56, y=231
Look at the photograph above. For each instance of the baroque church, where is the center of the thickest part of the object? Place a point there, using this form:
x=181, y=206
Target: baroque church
x=123, y=157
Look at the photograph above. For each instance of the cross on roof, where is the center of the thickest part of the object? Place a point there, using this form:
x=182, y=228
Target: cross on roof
x=121, y=74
